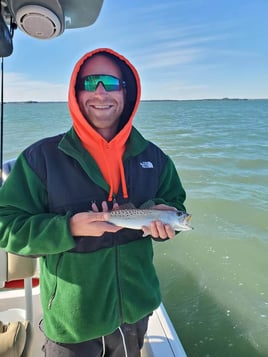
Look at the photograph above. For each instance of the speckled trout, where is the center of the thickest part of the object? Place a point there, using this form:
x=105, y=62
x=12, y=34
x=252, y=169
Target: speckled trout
x=136, y=218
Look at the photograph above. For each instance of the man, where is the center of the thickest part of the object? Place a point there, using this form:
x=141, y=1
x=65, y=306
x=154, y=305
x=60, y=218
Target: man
x=98, y=282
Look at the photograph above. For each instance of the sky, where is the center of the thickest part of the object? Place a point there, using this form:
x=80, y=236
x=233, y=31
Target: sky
x=182, y=49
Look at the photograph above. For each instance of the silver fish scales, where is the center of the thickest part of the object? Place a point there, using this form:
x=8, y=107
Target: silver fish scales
x=136, y=218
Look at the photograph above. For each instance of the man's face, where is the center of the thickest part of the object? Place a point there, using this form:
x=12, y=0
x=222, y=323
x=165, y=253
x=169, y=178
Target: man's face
x=101, y=108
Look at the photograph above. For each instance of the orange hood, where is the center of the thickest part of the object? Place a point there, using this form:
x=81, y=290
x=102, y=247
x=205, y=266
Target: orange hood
x=108, y=155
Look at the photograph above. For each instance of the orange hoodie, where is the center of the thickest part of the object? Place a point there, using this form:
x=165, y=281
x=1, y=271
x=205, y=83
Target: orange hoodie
x=108, y=155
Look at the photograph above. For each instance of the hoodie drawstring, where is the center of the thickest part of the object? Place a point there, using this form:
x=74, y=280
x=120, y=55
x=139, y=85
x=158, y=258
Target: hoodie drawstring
x=112, y=178
x=123, y=179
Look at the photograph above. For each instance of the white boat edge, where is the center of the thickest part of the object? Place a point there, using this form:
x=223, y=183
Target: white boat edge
x=161, y=338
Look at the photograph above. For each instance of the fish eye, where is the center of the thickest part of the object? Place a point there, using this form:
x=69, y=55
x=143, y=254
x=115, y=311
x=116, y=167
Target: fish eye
x=180, y=213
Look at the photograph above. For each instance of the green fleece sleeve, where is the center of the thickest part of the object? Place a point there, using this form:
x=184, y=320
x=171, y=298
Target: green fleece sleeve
x=26, y=225
x=170, y=190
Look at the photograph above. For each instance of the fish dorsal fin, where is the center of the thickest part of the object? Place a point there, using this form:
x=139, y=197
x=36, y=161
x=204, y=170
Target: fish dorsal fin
x=128, y=205
x=147, y=205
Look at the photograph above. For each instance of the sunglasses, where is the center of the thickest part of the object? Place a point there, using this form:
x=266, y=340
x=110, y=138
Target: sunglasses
x=110, y=83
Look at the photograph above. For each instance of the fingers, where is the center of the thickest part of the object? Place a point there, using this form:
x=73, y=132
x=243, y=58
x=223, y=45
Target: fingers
x=91, y=224
x=157, y=229
x=94, y=207
x=170, y=231
x=115, y=206
x=104, y=206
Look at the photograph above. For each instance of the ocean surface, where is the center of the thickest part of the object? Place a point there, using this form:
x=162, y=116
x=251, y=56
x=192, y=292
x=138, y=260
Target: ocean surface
x=214, y=279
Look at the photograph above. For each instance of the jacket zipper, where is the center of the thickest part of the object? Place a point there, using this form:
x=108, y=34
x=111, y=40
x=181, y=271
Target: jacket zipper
x=52, y=297
x=118, y=284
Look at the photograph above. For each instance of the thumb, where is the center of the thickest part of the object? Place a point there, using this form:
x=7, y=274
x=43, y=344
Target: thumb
x=98, y=216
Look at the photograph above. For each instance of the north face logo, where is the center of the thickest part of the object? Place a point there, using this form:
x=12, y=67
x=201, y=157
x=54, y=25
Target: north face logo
x=146, y=165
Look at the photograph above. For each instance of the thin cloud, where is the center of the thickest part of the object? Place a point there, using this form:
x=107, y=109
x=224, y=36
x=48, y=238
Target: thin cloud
x=19, y=87
x=169, y=58
x=176, y=46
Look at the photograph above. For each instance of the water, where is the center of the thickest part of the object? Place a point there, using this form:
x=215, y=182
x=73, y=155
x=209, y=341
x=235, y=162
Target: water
x=214, y=279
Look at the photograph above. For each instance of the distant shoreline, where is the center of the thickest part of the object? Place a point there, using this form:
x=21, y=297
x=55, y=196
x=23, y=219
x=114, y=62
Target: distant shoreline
x=144, y=100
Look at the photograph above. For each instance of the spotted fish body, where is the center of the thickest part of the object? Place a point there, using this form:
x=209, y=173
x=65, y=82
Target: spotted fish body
x=136, y=218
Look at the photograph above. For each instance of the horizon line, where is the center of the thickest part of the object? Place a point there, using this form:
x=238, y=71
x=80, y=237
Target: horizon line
x=142, y=100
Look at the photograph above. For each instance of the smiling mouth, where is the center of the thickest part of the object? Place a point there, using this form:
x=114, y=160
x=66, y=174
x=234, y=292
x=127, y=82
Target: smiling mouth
x=102, y=107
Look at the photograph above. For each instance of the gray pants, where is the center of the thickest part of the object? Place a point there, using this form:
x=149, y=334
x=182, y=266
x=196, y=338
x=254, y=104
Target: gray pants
x=126, y=341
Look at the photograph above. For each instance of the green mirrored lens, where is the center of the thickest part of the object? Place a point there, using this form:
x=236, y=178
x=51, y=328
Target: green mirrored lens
x=110, y=83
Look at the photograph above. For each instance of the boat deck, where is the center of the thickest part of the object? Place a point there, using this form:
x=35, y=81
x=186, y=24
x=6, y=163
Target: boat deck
x=161, y=339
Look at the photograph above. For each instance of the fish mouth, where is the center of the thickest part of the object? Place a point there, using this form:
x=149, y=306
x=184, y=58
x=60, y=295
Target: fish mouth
x=186, y=222
x=188, y=218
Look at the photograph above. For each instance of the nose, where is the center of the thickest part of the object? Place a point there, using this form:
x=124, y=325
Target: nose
x=100, y=88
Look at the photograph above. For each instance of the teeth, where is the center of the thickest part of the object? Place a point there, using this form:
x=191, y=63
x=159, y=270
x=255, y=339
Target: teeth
x=102, y=106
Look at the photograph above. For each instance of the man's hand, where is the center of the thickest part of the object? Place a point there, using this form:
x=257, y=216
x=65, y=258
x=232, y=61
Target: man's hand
x=158, y=229
x=92, y=223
